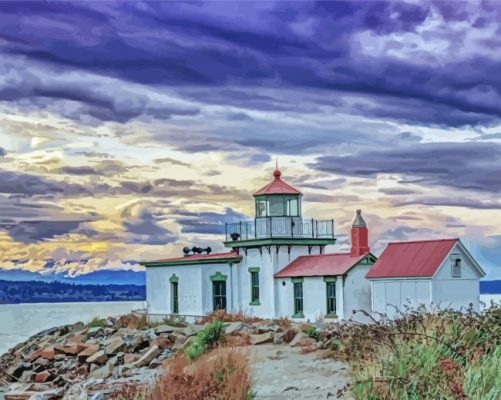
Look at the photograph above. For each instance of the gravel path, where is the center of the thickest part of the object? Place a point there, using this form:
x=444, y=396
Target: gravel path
x=282, y=372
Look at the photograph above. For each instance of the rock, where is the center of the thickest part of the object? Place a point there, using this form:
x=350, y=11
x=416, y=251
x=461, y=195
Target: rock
x=27, y=376
x=43, y=377
x=181, y=343
x=117, y=345
x=233, y=327
x=155, y=363
x=162, y=342
x=103, y=372
x=60, y=357
x=261, y=338
x=47, y=353
x=42, y=362
x=131, y=358
x=298, y=338
x=20, y=395
x=88, y=351
x=51, y=394
x=147, y=357
x=164, y=329
x=68, y=349
x=19, y=369
x=82, y=369
x=98, y=358
x=191, y=330
x=284, y=336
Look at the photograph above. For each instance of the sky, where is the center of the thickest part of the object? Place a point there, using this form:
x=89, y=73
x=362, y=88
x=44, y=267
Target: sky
x=130, y=130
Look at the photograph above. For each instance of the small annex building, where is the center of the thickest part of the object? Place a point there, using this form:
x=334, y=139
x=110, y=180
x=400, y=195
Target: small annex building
x=430, y=273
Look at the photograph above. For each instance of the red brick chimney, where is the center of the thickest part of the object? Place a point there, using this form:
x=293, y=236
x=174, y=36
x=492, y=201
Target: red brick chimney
x=359, y=236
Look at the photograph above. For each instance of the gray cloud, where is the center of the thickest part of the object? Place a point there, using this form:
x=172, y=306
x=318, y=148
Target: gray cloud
x=207, y=222
x=3, y=152
x=472, y=166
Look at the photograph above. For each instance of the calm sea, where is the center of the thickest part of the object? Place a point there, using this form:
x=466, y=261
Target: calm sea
x=20, y=321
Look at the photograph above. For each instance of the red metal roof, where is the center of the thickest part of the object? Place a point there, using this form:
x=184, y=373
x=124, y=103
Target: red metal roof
x=231, y=254
x=411, y=259
x=277, y=186
x=320, y=265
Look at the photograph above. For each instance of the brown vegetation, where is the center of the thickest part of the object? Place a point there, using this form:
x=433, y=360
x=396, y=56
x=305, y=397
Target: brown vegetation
x=223, y=373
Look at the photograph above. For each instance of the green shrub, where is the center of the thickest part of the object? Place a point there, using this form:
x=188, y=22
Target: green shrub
x=313, y=333
x=443, y=355
x=97, y=323
x=205, y=339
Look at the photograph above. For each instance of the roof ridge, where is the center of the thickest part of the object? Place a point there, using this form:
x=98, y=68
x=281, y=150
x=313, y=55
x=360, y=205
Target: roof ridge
x=332, y=254
x=423, y=241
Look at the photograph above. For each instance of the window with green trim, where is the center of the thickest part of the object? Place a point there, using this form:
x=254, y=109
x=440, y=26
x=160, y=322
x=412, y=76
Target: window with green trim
x=298, y=299
x=254, y=287
x=174, y=297
x=330, y=288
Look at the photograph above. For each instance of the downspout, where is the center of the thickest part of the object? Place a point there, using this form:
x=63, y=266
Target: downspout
x=231, y=287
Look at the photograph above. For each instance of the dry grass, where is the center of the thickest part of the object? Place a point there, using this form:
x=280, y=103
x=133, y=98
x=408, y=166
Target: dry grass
x=220, y=315
x=223, y=373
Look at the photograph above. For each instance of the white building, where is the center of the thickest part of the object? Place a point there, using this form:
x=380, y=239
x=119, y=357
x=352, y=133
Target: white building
x=431, y=273
x=277, y=267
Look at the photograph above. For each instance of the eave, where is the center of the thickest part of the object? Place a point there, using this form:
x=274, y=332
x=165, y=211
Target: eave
x=280, y=241
x=223, y=260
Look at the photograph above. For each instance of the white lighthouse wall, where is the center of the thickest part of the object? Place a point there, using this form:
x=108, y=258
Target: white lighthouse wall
x=269, y=262
x=158, y=289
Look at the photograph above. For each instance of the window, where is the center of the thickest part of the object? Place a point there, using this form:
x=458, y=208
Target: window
x=261, y=206
x=277, y=207
x=456, y=267
x=254, y=277
x=298, y=299
x=292, y=209
x=330, y=289
x=175, y=297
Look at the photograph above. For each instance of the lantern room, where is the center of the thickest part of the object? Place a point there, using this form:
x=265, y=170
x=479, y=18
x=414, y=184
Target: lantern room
x=278, y=199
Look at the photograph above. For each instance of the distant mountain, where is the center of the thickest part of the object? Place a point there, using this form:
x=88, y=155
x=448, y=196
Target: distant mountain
x=490, y=287
x=104, y=277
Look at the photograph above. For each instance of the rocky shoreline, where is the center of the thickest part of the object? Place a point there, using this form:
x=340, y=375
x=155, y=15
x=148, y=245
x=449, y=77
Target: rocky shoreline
x=92, y=362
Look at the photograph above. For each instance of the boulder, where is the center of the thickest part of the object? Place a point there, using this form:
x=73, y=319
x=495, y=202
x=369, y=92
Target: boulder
x=147, y=357
x=240, y=339
x=131, y=358
x=97, y=358
x=103, y=372
x=233, y=327
x=117, y=345
x=191, y=330
x=261, y=338
x=284, y=336
x=27, y=376
x=162, y=342
x=298, y=339
x=43, y=377
x=42, y=362
x=88, y=351
x=18, y=369
x=164, y=329
x=181, y=343
x=68, y=349
x=48, y=353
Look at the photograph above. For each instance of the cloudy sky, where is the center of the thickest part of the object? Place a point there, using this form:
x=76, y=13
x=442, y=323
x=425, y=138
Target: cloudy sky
x=129, y=130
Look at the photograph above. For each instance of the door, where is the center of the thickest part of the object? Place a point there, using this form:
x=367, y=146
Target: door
x=219, y=295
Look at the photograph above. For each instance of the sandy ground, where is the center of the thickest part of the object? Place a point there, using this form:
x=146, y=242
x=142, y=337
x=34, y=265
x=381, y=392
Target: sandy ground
x=282, y=372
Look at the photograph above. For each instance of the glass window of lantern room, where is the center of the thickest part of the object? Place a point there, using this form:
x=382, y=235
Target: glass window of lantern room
x=292, y=208
x=277, y=207
x=261, y=208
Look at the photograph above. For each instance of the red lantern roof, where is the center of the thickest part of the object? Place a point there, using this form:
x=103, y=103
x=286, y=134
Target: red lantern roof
x=277, y=186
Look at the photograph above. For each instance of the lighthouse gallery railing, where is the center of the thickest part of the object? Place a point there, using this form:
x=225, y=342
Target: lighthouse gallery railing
x=281, y=227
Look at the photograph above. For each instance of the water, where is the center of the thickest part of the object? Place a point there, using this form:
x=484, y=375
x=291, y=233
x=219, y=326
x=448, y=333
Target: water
x=19, y=321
